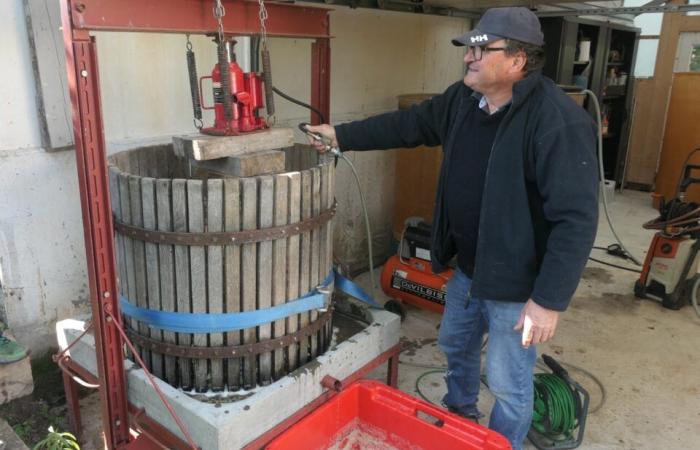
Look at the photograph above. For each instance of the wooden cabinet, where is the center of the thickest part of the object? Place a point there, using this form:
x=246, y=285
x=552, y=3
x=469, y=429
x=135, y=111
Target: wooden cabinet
x=417, y=173
x=599, y=56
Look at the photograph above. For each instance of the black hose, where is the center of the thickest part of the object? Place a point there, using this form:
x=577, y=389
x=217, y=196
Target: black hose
x=615, y=265
x=300, y=103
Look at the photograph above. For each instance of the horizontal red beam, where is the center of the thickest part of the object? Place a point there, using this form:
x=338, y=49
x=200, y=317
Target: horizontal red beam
x=196, y=17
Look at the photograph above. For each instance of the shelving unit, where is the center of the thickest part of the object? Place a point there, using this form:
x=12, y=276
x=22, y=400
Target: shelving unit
x=606, y=72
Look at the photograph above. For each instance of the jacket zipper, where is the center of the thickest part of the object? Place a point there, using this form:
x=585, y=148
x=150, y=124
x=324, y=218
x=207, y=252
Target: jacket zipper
x=483, y=199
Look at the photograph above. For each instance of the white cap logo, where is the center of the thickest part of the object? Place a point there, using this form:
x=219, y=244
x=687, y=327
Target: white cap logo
x=481, y=38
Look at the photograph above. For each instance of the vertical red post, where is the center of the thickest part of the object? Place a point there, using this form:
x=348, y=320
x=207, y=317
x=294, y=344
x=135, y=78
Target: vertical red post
x=83, y=81
x=321, y=79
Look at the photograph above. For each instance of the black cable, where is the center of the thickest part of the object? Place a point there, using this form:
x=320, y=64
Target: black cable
x=615, y=265
x=300, y=103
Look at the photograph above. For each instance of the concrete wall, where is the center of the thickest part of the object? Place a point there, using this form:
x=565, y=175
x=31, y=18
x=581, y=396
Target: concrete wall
x=376, y=56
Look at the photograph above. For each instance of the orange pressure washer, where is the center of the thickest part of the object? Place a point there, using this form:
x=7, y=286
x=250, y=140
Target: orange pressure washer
x=407, y=276
x=671, y=265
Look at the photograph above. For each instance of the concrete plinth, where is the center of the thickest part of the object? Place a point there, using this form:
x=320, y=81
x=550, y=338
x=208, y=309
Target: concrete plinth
x=215, y=424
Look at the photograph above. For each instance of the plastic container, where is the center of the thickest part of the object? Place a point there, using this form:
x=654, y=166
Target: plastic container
x=371, y=415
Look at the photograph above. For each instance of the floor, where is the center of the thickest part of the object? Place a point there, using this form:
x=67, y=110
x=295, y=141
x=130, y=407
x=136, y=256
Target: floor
x=645, y=356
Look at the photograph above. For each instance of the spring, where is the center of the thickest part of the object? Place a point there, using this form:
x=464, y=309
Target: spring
x=225, y=81
x=267, y=77
x=194, y=89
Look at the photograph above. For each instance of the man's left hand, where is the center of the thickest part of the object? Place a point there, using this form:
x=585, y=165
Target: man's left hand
x=537, y=323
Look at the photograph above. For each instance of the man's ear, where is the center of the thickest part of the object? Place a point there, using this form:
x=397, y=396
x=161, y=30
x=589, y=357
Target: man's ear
x=519, y=61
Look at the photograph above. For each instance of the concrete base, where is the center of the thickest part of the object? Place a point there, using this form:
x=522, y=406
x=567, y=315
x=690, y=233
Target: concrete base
x=15, y=379
x=8, y=439
x=217, y=425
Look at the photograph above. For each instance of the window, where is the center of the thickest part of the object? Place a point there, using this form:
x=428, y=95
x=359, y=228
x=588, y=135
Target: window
x=695, y=59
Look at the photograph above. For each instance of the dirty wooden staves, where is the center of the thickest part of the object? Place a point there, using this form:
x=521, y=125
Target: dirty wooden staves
x=151, y=189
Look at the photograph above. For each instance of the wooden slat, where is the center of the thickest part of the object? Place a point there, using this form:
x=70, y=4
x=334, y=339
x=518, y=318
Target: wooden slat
x=293, y=247
x=166, y=266
x=265, y=220
x=232, y=213
x=315, y=248
x=329, y=237
x=130, y=285
x=215, y=274
x=115, y=202
x=148, y=199
x=182, y=275
x=198, y=280
x=323, y=246
x=305, y=262
x=249, y=275
x=139, y=254
x=279, y=267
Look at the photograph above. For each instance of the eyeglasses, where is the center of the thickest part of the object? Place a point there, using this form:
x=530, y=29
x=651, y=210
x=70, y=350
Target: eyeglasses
x=478, y=50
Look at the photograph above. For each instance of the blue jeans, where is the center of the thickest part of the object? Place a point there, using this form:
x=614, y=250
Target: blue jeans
x=509, y=367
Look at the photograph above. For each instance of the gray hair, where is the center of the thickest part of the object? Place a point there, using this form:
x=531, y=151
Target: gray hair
x=533, y=53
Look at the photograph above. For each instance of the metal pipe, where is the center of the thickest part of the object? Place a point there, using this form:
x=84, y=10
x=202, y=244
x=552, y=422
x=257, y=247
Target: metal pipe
x=331, y=383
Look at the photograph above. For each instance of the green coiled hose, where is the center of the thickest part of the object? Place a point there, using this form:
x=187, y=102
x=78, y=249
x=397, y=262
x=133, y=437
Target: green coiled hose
x=555, y=410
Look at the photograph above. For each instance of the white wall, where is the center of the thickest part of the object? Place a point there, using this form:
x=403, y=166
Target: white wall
x=42, y=268
x=375, y=56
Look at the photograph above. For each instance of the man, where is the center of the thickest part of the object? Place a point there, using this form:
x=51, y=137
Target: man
x=516, y=203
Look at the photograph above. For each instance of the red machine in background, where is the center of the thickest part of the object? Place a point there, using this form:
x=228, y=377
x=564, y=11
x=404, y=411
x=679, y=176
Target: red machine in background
x=407, y=276
x=670, y=272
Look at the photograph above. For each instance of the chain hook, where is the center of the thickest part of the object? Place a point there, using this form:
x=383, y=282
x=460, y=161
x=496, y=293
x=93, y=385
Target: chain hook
x=219, y=13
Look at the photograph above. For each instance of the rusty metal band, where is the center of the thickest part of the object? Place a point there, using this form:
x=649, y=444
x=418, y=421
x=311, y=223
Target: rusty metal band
x=233, y=351
x=224, y=237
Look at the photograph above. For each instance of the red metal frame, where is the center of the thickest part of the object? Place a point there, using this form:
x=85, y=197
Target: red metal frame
x=79, y=17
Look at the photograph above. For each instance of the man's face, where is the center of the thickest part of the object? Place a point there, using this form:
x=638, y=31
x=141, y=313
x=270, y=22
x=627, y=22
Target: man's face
x=495, y=69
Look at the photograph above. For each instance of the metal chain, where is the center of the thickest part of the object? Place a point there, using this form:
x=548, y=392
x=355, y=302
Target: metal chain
x=263, y=17
x=219, y=13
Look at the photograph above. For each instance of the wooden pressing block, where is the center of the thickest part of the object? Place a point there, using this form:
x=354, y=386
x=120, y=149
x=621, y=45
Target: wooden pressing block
x=250, y=165
x=203, y=147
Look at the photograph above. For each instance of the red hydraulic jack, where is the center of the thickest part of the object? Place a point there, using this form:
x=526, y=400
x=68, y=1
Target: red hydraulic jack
x=236, y=112
x=79, y=18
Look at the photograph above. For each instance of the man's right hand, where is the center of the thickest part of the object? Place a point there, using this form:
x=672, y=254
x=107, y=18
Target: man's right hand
x=327, y=132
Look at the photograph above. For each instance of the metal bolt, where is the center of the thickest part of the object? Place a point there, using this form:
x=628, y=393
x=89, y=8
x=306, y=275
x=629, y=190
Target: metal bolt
x=83, y=73
x=80, y=7
x=117, y=422
x=106, y=294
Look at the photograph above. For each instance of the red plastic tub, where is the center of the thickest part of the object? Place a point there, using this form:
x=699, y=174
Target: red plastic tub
x=368, y=415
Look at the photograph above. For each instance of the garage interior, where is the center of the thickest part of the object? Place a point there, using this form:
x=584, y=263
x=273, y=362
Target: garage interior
x=101, y=110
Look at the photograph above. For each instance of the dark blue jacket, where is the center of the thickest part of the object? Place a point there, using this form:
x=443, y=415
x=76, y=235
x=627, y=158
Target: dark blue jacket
x=539, y=210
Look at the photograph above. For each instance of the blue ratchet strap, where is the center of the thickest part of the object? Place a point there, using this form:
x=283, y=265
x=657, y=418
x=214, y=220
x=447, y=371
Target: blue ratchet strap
x=221, y=322
x=354, y=290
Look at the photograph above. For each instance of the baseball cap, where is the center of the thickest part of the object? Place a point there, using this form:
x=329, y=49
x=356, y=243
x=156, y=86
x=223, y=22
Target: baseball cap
x=517, y=23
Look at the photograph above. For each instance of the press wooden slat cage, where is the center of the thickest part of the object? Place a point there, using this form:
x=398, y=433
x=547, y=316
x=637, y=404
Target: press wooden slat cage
x=153, y=190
